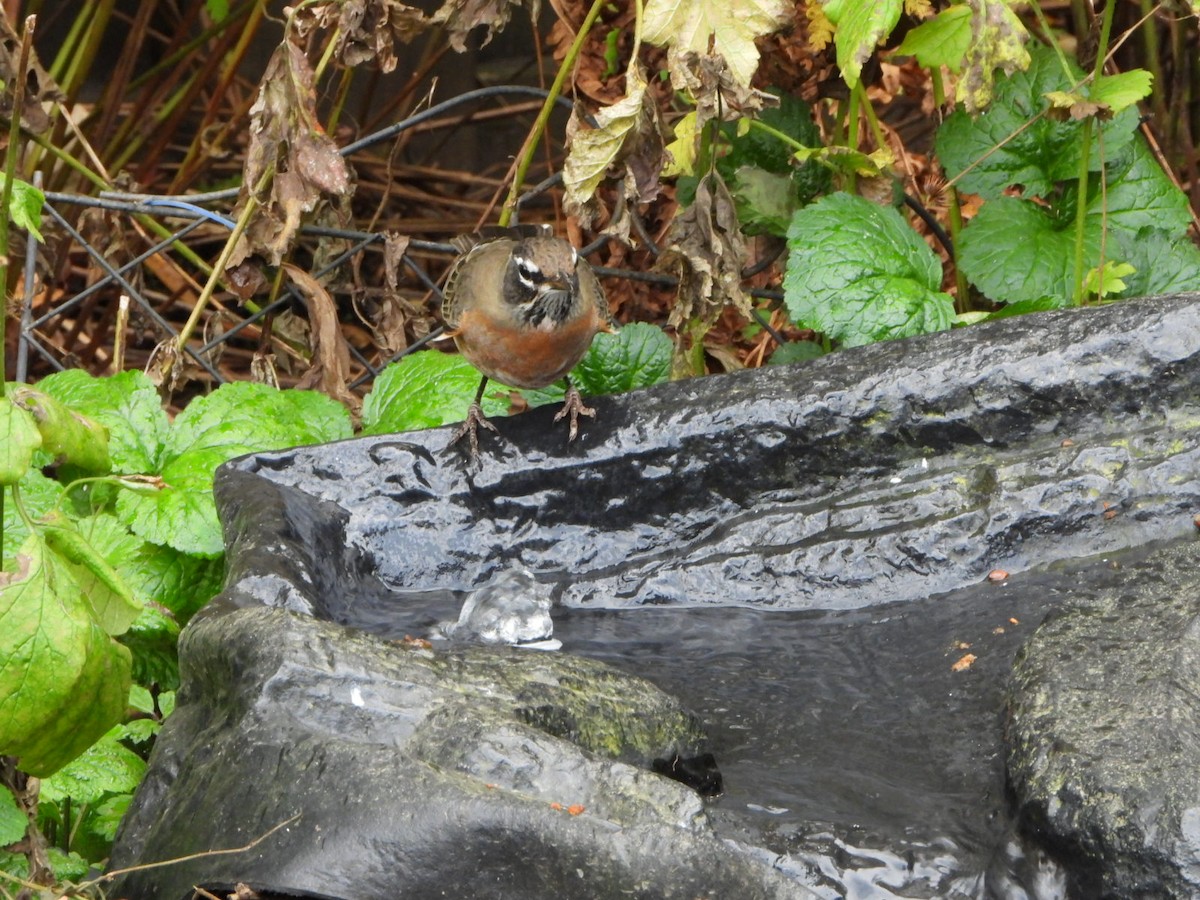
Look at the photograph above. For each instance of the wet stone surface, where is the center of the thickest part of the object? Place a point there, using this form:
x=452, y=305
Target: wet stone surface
x=798, y=555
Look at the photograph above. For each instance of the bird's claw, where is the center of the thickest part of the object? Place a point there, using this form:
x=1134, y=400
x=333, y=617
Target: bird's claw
x=574, y=406
x=470, y=428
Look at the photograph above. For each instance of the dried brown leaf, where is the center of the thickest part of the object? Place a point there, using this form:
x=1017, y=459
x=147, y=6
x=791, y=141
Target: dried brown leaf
x=460, y=16
x=629, y=134
x=291, y=164
x=329, y=369
x=39, y=86
x=718, y=94
x=370, y=29
x=706, y=251
x=394, y=247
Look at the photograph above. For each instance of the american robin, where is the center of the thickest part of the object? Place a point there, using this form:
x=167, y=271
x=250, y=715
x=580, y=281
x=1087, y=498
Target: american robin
x=523, y=310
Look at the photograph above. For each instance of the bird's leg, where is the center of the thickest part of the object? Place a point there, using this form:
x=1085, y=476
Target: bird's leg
x=475, y=418
x=573, y=406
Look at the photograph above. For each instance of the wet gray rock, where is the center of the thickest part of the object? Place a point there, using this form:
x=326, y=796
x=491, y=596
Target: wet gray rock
x=891, y=473
x=1104, y=732
x=404, y=771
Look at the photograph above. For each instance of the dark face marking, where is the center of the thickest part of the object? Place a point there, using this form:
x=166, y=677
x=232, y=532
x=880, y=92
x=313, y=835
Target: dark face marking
x=541, y=281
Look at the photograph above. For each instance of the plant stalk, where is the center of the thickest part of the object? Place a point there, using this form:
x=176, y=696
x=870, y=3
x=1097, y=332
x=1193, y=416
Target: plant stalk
x=6, y=193
x=1081, y=214
x=539, y=125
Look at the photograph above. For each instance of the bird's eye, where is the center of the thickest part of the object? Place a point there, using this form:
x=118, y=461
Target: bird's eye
x=529, y=272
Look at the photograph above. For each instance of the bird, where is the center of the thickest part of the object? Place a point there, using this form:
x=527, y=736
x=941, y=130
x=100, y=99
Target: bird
x=523, y=309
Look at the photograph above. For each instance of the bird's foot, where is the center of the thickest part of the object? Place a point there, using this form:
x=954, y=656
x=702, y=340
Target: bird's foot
x=470, y=428
x=574, y=406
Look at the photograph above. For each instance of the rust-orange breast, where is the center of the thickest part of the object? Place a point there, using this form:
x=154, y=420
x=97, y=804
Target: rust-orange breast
x=525, y=357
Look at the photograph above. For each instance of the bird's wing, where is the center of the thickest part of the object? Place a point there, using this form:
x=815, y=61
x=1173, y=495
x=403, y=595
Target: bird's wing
x=453, y=297
x=589, y=285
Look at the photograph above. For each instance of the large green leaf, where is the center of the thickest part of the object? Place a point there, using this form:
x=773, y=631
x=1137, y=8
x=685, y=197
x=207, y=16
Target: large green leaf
x=106, y=767
x=637, y=356
x=63, y=681
x=1010, y=144
x=425, y=390
x=1016, y=250
x=234, y=420
x=1163, y=264
x=858, y=273
x=1138, y=195
x=127, y=405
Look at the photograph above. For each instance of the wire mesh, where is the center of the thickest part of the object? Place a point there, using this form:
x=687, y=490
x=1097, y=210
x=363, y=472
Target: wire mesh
x=181, y=218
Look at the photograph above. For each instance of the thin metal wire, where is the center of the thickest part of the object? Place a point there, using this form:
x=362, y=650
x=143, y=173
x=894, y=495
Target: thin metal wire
x=68, y=305
x=133, y=293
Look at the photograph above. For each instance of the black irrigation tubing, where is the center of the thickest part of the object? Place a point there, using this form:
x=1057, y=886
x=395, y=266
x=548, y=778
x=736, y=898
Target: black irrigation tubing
x=499, y=90
x=437, y=109
x=292, y=292
x=411, y=348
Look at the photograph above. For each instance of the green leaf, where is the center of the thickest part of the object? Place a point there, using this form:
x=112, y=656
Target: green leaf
x=764, y=201
x=1106, y=281
x=25, y=206
x=1018, y=250
x=637, y=356
x=1164, y=264
x=111, y=599
x=1024, y=307
x=1003, y=149
x=19, y=438
x=106, y=818
x=67, y=867
x=858, y=273
x=234, y=420
x=761, y=149
x=67, y=435
x=861, y=24
x=1139, y=195
x=1121, y=90
x=425, y=390
x=39, y=495
x=127, y=405
x=795, y=352
x=217, y=9
x=107, y=767
x=941, y=41
x=760, y=170
x=12, y=821
x=63, y=681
